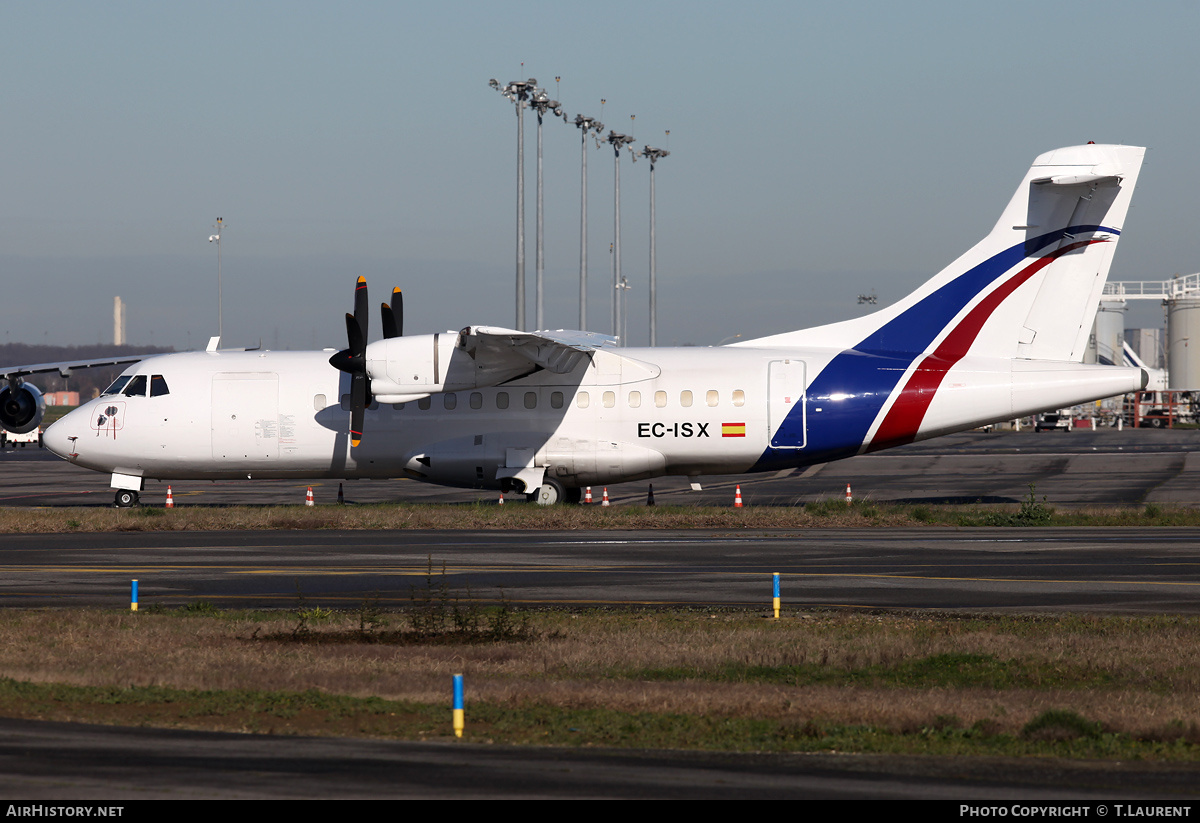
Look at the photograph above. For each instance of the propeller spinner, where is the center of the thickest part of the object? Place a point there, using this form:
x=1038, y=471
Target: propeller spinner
x=353, y=358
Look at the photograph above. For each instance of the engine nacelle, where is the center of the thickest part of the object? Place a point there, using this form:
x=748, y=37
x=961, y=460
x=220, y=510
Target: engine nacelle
x=21, y=408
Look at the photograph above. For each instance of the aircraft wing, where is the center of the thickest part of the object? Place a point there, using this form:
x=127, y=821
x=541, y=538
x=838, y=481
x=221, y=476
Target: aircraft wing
x=507, y=353
x=65, y=367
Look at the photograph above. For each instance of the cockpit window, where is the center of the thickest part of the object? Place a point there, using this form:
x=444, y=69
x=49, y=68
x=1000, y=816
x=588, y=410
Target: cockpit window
x=117, y=385
x=136, y=387
x=158, y=385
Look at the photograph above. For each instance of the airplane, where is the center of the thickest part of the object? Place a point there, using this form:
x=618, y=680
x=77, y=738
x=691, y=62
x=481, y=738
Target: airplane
x=998, y=334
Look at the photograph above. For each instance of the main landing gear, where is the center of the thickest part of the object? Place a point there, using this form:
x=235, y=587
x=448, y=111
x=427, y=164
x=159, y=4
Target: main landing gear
x=126, y=498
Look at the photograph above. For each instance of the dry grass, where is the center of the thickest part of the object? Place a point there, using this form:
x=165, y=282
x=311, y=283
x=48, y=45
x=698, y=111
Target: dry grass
x=1136, y=676
x=824, y=514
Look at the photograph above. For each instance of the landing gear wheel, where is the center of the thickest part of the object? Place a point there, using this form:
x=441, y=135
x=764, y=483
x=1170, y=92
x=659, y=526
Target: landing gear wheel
x=549, y=493
x=126, y=498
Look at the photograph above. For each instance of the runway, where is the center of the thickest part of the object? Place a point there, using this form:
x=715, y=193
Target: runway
x=1022, y=570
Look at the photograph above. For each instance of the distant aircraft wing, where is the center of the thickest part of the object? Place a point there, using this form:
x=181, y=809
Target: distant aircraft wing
x=505, y=354
x=65, y=367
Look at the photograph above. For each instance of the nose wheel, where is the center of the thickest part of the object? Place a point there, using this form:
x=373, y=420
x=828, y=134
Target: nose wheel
x=126, y=498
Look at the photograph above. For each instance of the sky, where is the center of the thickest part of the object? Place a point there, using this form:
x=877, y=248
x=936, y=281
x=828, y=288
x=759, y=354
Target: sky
x=818, y=151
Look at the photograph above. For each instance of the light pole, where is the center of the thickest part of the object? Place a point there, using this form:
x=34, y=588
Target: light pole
x=518, y=91
x=541, y=103
x=584, y=124
x=216, y=238
x=654, y=155
x=617, y=141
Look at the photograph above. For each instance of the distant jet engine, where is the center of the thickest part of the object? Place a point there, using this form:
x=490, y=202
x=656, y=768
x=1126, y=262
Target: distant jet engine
x=21, y=407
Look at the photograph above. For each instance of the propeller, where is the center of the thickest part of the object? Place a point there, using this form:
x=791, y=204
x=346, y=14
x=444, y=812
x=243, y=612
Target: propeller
x=353, y=361
x=353, y=358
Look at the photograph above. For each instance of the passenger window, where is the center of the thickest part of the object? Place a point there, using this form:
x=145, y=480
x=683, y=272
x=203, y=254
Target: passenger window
x=319, y=402
x=685, y=399
x=424, y=403
x=556, y=400
x=476, y=400
x=635, y=399
x=531, y=400
x=712, y=398
x=450, y=401
x=582, y=400
x=502, y=400
x=660, y=399
x=739, y=397
x=158, y=385
x=610, y=400
x=136, y=387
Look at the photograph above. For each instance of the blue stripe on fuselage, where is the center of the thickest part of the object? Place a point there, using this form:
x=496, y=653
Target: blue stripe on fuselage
x=845, y=398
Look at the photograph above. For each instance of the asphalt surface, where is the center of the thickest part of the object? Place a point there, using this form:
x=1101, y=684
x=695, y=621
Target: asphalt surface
x=1115, y=570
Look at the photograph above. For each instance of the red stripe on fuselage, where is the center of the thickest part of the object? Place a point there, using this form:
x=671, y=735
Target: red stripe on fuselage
x=904, y=417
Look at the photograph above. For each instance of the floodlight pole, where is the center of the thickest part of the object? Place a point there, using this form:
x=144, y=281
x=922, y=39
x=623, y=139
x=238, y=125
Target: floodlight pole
x=617, y=141
x=654, y=155
x=518, y=91
x=541, y=103
x=216, y=238
x=584, y=124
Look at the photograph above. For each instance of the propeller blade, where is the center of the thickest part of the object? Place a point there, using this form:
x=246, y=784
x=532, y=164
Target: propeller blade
x=361, y=309
x=353, y=361
x=393, y=316
x=360, y=398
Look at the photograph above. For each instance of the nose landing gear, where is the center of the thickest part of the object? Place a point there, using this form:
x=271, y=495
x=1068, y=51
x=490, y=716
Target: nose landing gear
x=126, y=498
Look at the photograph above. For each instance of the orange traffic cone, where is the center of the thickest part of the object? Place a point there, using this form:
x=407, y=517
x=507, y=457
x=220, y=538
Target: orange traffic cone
x=170, y=499
x=737, y=497
x=308, y=498
x=587, y=495
x=501, y=503
x=849, y=499
x=604, y=500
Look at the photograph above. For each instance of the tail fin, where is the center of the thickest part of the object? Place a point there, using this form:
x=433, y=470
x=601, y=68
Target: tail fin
x=1027, y=290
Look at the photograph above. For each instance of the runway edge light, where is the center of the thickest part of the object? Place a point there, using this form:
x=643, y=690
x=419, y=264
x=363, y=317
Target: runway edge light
x=458, y=706
x=133, y=597
x=776, y=598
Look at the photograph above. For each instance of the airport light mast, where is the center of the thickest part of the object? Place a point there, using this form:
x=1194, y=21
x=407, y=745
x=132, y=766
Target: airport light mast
x=216, y=238
x=519, y=91
x=541, y=103
x=585, y=125
x=617, y=141
x=654, y=155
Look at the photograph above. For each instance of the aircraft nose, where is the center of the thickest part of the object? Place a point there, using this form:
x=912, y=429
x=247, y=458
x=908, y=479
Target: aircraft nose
x=58, y=438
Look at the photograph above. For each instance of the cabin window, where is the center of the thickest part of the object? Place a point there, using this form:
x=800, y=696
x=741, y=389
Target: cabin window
x=556, y=400
x=531, y=400
x=158, y=386
x=610, y=399
x=712, y=398
x=685, y=399
x=136, y=387
x=319, y=402
x=582, y=400
x=635, y=399
x=502, y=400
x=450, y=401
x=739, y=397
x=476, y=400
x=424, y=403
x=660, y=399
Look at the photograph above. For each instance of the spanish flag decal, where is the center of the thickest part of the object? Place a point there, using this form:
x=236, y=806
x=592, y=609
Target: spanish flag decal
x=733, y=429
